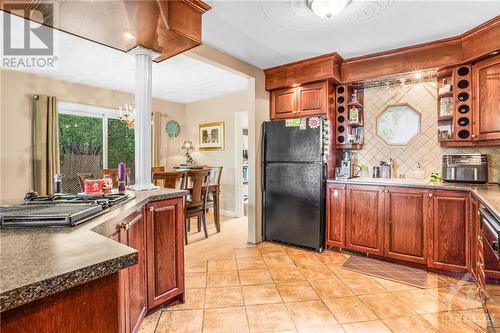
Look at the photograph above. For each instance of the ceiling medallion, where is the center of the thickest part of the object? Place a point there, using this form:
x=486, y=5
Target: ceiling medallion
x=298, y=16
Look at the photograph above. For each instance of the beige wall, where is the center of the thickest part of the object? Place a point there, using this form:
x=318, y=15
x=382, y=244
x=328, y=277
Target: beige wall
x=218, y=109
x=258, y=106
x=425, y=147
x=15, y=123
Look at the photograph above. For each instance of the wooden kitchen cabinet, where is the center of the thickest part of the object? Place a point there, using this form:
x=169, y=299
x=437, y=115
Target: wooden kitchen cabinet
x=133, y=291
x=165, y=251
x=449, y=232
x=486, y=101
x=406, y=224
x=283, y=103
x=133, y=234
x=365, y=219
x=304, y=101
x=335, y=210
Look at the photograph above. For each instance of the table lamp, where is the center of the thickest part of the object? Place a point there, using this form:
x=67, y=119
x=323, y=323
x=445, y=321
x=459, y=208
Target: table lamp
x=188, y=145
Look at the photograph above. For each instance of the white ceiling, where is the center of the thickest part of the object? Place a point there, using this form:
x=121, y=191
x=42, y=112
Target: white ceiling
x=267, y=33
x=180, y=79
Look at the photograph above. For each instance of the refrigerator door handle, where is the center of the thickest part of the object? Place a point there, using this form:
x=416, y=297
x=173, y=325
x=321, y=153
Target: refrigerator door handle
x=263, y=157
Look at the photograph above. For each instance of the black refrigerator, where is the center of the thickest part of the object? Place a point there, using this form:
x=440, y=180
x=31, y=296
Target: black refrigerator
x=293, y=182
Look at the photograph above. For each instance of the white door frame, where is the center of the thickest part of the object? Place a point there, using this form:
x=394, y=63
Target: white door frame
x=238, y=161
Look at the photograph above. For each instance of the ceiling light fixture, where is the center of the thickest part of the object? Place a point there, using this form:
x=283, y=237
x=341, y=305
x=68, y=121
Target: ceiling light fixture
x=128, y=35
x=327, y=8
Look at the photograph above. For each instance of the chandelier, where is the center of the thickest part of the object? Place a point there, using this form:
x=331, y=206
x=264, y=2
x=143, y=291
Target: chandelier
x=127, y=114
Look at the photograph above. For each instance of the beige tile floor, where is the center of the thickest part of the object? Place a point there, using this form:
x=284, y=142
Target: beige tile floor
x=276, y=288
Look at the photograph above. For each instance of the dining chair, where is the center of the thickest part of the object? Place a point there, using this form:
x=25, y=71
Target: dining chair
x=113, y=174
x=84, y=176
x=213, y=196
x=176, y=179
x=196, y=205
x=159, y=168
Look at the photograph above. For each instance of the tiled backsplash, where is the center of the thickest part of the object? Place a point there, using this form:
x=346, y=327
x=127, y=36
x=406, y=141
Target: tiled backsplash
x=425, y=147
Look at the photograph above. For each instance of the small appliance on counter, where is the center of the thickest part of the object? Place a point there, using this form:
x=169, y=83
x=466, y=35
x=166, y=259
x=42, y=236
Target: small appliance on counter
x=384, y=170
x=57, y=210
x=471, y=168
x=346, y=165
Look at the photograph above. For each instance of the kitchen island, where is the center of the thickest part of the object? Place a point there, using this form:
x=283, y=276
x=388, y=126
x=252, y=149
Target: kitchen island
x=41, y=264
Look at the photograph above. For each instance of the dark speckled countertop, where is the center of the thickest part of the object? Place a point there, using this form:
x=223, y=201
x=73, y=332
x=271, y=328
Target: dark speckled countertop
x=35, y=263
x=487, y=194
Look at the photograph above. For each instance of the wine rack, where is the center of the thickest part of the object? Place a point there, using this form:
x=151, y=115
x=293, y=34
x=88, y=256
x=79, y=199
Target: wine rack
x=462, y=99
x=341, y=130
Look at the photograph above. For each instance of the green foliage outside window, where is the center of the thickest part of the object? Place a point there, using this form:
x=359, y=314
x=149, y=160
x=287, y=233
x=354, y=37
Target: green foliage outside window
x=120, y=144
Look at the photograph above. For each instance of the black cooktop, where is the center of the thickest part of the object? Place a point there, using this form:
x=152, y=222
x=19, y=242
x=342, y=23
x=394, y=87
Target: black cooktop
x=57, y=210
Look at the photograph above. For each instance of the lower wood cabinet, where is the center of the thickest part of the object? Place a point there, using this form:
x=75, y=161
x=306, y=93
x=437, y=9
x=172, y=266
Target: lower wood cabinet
x=406, y=222
x=133, y=234
x=449, y=236
x=335, y=210
x=427, y=227
x=156, y=232
x=165, y=251
x=365, y=219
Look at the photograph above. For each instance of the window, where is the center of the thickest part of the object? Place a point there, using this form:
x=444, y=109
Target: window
x=398, y=124
x=91, y=139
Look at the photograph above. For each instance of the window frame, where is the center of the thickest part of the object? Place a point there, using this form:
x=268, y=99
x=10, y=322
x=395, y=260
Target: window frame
x=92, y=111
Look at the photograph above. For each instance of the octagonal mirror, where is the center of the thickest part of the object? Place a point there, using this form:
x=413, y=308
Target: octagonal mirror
x=398, y=124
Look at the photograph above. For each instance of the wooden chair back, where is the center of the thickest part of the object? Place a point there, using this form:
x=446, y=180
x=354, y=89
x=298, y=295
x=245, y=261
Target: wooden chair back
x=215, y=174
x=198, y=178
x=154, y=169
x=82, y=177
x=113, y=174
x=170, y=179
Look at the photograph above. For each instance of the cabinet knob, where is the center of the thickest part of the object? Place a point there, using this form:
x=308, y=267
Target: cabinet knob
x=151, y=209
x=335, y=193
x=125, y=226
x=473, y=135
x=430, y=195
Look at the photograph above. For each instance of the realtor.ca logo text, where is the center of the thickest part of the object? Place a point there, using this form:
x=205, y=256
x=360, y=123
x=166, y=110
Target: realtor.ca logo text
x=28, y=39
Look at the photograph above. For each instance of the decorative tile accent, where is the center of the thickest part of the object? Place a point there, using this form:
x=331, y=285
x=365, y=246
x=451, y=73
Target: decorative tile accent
x=425, y=147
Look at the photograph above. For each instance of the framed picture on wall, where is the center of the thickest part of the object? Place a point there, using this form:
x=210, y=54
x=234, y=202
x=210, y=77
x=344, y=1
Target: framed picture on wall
x=212, y=136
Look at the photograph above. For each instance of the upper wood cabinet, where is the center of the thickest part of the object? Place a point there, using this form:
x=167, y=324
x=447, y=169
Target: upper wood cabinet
x=486, y=99
x=307, y=100
x=365, y=219
x=449, y=233
x=406, y=223
x=335, y=210
x=165, y=250
x=283, y=103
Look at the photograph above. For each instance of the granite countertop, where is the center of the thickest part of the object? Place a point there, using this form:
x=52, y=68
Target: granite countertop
x=38, y=262
x=487, y=194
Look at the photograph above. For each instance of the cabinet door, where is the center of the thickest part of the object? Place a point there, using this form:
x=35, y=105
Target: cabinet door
x=134, y=235
x=335, y=208
x=364, y=219
x=312, y=99
x=406, y=220
x=449, y=240
x=486, y=83
x=165, y=250
x=284, y=103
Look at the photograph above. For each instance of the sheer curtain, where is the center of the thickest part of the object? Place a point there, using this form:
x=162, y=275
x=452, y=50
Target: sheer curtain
x=46, y=163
